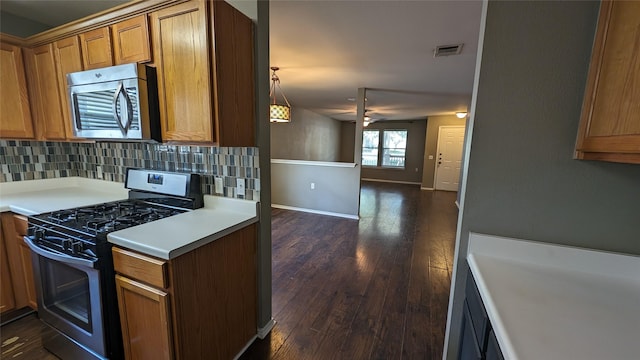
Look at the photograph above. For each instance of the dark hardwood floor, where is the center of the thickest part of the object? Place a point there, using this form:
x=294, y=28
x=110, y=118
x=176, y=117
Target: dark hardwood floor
x=344, y=289
x=21, y=340
x=376, y=288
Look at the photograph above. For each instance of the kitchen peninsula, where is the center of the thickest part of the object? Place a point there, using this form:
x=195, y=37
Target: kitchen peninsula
x=205, y=260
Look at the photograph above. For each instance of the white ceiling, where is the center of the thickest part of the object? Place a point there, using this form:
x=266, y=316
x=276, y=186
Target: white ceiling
x=56, y=12
x=326, y=50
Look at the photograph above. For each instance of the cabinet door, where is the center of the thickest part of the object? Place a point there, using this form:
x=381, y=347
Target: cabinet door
x=45, y=93
x=493, y=348
x=6, y=287
x=145, y=320
x=232, y=49
x=181, y=54
x=15, y=117
x=96, y=48
x=131, y=41
x=27, y=269
x=610, y=124
x=68, y=60
x=12, y=226
x=20, y=230
x=469, y=348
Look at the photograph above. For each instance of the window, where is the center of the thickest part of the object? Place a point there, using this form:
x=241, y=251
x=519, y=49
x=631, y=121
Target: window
x=393, y=144
x=370, y=141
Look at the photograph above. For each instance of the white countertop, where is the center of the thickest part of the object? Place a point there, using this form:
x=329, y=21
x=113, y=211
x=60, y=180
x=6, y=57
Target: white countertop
x=166, y=238
x=548, y=301
x=33, y=197
x=171, y=237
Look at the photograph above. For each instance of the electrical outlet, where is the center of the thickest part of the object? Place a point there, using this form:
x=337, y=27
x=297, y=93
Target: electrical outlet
x=219, y=187
x=240, y=187
x=313, y=186
x=99, y=172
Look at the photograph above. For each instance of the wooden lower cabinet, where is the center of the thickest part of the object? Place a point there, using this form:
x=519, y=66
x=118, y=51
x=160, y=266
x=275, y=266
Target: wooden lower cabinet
x=14, y=227
x=7, y=301
x=145, y=320
x=200, y=305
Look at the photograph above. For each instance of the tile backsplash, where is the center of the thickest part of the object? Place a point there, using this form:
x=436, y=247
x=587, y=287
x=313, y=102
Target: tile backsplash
x=28, y=160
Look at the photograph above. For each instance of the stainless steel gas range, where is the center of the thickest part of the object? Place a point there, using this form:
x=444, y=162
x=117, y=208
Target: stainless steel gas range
x=73, y=265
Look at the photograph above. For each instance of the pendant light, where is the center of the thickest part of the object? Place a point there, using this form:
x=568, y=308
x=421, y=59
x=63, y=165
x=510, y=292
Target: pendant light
x=278, y=112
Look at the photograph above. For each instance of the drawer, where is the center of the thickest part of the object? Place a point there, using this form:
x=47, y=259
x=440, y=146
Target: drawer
x=20, y=222
x=141, y=267
x=477, y=311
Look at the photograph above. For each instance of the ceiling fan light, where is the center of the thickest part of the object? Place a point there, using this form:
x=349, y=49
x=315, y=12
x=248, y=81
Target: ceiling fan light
x=279, y=113
x=461, y=114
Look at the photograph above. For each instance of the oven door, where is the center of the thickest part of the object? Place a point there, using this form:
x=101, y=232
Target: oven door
x=69, y=295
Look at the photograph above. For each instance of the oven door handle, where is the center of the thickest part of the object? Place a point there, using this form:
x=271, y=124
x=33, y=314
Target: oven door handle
x=58, y=257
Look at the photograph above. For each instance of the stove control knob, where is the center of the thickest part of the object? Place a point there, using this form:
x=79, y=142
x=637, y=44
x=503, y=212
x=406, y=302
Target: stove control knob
x=77, y=247
x=66, y=244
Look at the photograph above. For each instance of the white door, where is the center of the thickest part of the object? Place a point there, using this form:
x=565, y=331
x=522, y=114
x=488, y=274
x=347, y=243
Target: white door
x=449, y=157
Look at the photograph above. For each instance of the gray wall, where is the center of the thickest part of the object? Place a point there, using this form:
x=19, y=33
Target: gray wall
x=412, y=171
x=431, y=145
x=347, y=140
x=522, y=181
x=309, y=136
x=336, y=188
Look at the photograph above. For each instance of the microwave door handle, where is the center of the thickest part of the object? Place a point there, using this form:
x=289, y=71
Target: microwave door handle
x=116, y=95
x=129, y=103
x=57, y=257
x=120, y=90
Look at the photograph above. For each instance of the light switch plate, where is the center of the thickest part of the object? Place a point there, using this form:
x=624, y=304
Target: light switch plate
x=240, y=186
x=218, y=185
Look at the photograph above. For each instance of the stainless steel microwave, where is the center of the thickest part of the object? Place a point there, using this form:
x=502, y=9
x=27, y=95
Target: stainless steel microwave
x=115, y=103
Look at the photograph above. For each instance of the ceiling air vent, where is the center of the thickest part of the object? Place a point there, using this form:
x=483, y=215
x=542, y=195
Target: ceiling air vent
x=446, y=50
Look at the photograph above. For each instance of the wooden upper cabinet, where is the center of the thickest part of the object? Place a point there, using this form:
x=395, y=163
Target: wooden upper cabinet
x=45, y=93
x=181, y=55
x=206, y=91
x=234, y=89
x=68, y=60
x=15, y=117
x=96, y=48
x=610, y=123
x=131, y=41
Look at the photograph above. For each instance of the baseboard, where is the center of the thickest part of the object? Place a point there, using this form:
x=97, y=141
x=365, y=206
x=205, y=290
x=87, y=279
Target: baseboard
x=245, y=347
x=265, y=330
x=426, y=188
x=391, y=181
x=319, y=212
